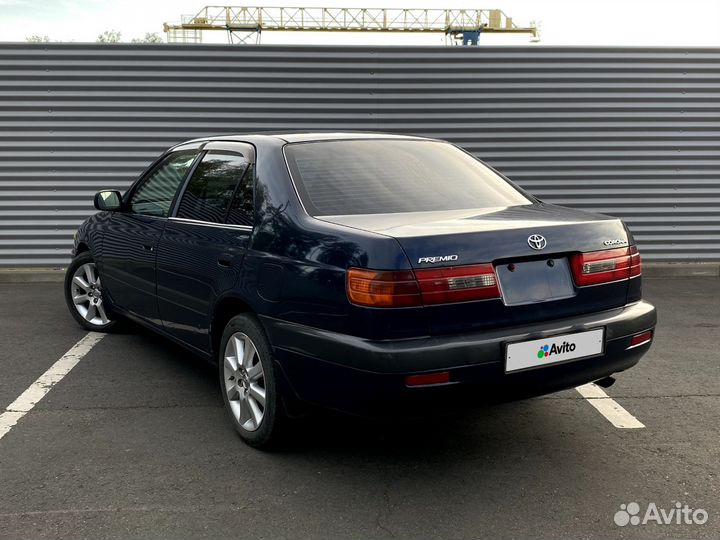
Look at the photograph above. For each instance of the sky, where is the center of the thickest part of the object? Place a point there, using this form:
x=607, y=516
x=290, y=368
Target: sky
x=562, y=22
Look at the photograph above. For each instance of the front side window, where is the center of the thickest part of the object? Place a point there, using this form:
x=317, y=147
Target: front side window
x=154, y=196
x=379, y=176
x=212, y=186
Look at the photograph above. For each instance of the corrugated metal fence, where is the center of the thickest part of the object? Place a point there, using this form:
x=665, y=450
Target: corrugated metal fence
x=632, y=132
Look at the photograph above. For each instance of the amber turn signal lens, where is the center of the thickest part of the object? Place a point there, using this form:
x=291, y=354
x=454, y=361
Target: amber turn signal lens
x=382, y=289
x=427, y=286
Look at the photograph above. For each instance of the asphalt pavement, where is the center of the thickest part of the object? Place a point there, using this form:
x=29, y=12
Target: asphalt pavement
x=133, y=443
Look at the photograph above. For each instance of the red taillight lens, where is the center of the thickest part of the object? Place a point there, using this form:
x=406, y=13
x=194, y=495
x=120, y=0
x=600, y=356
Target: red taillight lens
x=382, y=289
x=374, y=288
x=457, y=284
x=635, y=262
x=605, y=266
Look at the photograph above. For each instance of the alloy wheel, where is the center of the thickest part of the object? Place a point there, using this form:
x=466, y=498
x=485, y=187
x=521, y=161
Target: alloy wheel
x=86, y=292
x=244, y=381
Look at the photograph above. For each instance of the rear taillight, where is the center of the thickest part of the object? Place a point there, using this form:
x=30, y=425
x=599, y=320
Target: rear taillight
x=382, y=289
x=635, y=262
x=605, y=266
x=422, y=287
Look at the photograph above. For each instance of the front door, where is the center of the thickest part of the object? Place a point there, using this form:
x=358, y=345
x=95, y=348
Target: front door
x=131, y=237
x=201, y=249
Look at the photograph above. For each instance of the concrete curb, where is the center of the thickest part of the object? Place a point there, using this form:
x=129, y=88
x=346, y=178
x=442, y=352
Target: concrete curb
x=650, y=270
x=32, y=275
x=666, y=270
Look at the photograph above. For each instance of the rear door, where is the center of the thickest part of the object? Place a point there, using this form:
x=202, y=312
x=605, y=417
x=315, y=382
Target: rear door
x=202, y=246
x=131, y=237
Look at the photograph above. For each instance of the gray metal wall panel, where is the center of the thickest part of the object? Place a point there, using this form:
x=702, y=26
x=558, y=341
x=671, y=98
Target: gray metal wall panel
x=632, y=132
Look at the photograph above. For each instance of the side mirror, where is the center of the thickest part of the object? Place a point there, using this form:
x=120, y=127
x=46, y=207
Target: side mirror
x=108, y=201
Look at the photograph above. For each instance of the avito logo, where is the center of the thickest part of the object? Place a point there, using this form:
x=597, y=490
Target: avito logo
x=549, y=350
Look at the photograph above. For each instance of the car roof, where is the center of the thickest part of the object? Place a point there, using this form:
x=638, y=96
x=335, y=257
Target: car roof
x=308, y=136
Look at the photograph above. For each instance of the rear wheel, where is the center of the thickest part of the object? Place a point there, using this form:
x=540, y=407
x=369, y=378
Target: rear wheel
x=84, y=295
x=248, y=382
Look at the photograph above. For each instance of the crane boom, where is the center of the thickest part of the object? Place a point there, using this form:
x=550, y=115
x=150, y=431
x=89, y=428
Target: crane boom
x=319, y=19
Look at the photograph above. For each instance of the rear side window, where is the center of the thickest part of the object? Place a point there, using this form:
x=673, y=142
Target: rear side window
x=156, y=192
x=242, y=207
x=212, y=187
x=381, y=176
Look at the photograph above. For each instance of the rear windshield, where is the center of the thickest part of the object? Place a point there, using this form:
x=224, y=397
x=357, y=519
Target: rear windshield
x=382, y=176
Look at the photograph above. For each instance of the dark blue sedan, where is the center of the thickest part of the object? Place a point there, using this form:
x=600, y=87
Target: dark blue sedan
x=374, y=274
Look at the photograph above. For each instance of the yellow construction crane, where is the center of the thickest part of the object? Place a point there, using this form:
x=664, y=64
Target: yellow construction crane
x=243, y=24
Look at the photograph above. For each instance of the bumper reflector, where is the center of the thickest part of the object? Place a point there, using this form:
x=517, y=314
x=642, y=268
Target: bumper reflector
x=427, y=379
x=641, y=339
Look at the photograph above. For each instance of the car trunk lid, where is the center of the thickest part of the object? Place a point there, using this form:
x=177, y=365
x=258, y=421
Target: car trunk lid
x=530, y=247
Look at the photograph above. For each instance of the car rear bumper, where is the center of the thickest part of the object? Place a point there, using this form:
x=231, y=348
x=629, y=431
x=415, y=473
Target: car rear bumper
x=360, y=375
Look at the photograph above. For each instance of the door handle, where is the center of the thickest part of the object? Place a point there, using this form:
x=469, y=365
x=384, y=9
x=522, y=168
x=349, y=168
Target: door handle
x=149, y=247
x=243, y=239
x=225, y=259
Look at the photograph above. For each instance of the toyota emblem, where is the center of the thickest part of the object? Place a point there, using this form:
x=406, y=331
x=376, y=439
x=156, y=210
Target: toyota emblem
x=537, y=241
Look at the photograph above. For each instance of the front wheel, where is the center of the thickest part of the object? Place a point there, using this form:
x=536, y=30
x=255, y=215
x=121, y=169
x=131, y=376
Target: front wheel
x=248, y=382
x=84, y=295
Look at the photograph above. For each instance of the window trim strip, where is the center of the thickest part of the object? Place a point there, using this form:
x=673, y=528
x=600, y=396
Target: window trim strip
x=183, y=187
x=211, y=224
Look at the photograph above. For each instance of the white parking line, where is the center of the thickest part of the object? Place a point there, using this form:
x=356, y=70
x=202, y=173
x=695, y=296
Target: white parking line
x=37, y=390
x=608, y=407
x=595, y=395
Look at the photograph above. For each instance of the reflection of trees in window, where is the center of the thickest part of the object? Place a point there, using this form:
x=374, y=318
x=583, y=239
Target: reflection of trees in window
x=242, y=207
x=211, y=187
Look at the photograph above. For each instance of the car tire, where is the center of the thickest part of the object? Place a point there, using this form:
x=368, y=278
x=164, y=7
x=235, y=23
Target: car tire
x=249, y=383
x=84, y=297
